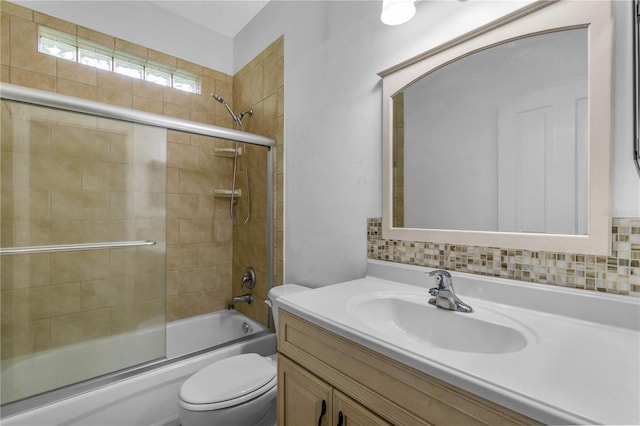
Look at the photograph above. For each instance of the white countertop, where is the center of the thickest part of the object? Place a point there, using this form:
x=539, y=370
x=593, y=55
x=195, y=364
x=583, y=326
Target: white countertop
x=572, y=370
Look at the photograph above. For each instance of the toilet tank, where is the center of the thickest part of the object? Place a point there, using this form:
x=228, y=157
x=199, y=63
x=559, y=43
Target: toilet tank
x=276, y=292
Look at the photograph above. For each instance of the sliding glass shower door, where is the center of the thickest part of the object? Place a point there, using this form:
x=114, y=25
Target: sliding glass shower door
x=82, y=269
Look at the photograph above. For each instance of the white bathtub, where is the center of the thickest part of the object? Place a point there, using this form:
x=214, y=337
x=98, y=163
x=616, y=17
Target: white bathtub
x=150, y=398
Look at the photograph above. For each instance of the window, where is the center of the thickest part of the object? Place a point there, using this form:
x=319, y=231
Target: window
x=94, y=59
x=185, y=83
x=58, y=47
x=157, y=76
x=71, y=48
x=124, y=67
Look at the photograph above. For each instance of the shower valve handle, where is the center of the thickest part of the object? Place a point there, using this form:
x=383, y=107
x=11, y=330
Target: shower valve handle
x=249, y=278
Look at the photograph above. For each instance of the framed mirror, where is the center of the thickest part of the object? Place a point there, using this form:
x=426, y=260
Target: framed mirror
x=502, y=137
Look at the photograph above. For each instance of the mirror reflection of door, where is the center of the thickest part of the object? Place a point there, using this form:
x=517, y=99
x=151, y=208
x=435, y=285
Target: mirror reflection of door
x=542, y=157
x=496, y=140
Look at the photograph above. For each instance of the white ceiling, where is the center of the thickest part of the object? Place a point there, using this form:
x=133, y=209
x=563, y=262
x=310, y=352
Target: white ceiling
x=226, y=17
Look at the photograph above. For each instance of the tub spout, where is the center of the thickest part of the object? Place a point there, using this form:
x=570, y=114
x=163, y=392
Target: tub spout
x=244, y=298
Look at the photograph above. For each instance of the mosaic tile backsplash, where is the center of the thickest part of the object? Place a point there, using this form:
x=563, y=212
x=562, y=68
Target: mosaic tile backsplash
x=618, y=273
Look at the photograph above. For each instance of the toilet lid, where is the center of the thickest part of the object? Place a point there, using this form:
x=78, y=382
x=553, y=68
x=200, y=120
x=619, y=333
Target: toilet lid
x=231, y=378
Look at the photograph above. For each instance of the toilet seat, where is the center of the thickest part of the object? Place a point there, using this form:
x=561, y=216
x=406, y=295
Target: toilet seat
x=228, y=382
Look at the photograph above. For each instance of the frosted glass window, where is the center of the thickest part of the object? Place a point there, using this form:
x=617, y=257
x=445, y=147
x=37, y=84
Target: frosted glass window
x=57, y=48
x=128, y=68
x=185, y=83
x=159, y=77
x=94, y=59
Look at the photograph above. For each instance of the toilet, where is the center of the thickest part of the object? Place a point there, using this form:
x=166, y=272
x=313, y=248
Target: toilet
x=238, y=390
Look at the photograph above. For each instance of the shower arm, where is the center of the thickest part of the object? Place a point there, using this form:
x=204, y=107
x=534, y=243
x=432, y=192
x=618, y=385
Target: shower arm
x=235, y=117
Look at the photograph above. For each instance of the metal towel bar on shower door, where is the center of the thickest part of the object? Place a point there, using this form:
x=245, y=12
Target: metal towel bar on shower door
x=74, y=247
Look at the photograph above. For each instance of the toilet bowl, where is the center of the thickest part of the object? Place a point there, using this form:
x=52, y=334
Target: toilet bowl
x=239, y=390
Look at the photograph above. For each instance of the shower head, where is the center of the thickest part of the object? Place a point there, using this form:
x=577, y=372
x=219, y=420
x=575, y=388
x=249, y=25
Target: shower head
x=236, y=118
x=217, y=97
x=223, y=102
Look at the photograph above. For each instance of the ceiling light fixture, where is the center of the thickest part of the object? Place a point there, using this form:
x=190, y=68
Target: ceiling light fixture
x=396, y=12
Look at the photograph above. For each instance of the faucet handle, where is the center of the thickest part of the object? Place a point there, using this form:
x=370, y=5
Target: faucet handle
x=443, y=279
x=440, y=272
x=248, y=278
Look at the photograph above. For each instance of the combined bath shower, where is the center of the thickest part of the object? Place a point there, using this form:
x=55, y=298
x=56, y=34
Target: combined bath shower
x=237, y=119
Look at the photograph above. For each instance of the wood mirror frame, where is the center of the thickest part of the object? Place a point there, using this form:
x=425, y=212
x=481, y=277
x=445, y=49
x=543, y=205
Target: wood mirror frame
x=537, y=18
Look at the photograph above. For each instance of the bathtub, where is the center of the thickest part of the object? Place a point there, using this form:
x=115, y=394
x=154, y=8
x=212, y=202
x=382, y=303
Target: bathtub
x=149, y=397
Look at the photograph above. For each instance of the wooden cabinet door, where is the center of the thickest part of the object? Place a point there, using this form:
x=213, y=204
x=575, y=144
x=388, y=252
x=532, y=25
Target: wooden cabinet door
x=347, y=412
x=303, y=399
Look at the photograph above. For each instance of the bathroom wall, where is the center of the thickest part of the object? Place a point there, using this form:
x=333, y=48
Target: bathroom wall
x=199, y=232
x=260, y=85
x=333, y=109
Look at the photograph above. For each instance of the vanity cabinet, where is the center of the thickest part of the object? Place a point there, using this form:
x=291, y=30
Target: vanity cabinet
x=361, y=386
x=304, y=399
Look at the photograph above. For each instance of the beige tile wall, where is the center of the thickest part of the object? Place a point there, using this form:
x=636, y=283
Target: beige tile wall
x=260, y=85
x=199, y=234
x=199, y=230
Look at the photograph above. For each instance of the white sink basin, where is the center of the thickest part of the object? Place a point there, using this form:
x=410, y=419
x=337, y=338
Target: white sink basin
x=411, y=317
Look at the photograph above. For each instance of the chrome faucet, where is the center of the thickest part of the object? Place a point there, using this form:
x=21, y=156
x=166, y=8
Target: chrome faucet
x=244, y=298
x=444, y=295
